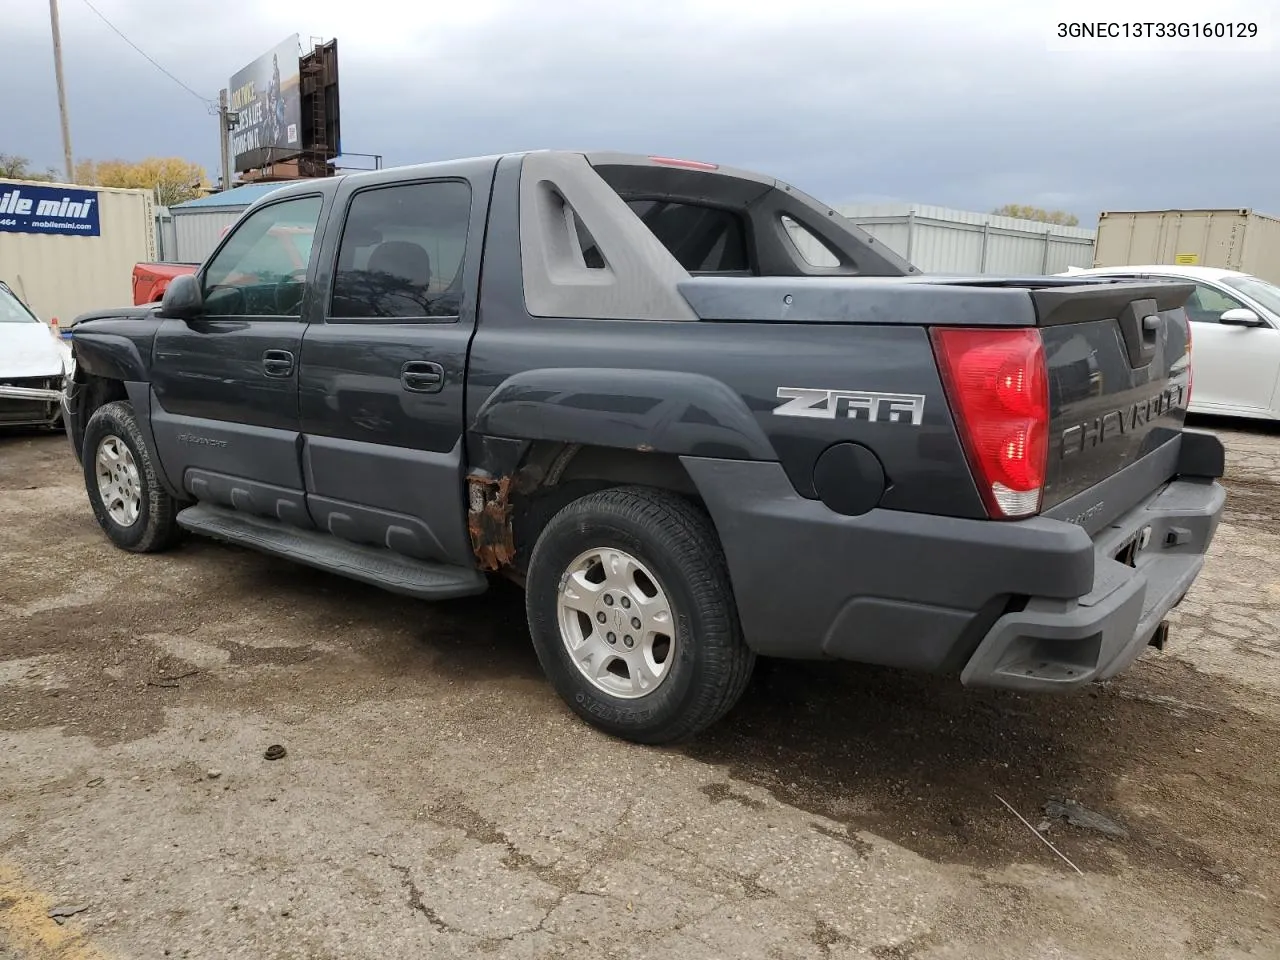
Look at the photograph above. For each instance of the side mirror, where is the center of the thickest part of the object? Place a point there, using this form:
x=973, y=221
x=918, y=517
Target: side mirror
x=182, y=298
x=1240, y=317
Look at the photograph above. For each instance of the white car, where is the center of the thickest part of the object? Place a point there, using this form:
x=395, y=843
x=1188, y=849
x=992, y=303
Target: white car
x=1235, y=337
x=34, y=366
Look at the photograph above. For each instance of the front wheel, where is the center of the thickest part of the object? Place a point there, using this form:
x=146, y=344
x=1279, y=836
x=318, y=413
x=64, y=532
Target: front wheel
x=632, y=615
x=129, y=503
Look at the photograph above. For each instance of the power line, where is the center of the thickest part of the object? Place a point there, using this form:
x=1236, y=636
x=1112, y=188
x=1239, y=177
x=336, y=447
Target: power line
x=203, y=99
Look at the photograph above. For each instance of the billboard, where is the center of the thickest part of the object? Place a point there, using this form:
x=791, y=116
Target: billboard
x=266, y=104
x=25, y=208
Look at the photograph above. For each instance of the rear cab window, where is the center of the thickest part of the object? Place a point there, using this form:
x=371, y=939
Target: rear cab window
x=723, y=223
x=703, y=239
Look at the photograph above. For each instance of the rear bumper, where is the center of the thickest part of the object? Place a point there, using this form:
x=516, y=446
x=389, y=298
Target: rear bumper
x=1063, y=643
x=1035, y=604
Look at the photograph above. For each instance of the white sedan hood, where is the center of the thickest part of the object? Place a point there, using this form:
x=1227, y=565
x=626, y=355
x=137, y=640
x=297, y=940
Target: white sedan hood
x=31, y=350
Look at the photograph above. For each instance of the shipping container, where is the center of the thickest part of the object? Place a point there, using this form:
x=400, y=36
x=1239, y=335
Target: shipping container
x=80, y=257
x=1227, y=239
x=199, y=224
x=942, y=240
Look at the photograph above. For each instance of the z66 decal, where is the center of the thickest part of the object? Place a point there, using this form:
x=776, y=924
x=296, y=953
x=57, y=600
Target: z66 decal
x=851, y=404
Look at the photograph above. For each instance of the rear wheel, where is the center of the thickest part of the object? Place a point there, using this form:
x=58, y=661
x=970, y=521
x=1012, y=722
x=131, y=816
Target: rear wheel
x=120, y=475
x=633, y=617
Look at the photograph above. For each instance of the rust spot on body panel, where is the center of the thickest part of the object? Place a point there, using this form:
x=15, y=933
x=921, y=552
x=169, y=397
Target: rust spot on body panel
x=489, y=520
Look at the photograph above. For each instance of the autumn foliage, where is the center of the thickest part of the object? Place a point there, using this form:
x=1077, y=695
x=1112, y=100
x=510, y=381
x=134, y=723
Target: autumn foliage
x=1023, y=212
x=19, y=168
x=175, y=180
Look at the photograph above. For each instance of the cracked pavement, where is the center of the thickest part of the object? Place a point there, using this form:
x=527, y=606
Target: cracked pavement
x=437, y=800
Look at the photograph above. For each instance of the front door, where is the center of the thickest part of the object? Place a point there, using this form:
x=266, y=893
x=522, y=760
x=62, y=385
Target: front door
x=225, y=385
x=1234, y=369
x=382, y=376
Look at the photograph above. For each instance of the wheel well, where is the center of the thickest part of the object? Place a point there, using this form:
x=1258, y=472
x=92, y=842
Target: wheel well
x=88, y=393
x=507, y=513
x=99, y=391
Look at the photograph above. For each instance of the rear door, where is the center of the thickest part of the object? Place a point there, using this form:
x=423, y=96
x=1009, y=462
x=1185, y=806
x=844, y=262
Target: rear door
x=382, y=376
x=225, y=412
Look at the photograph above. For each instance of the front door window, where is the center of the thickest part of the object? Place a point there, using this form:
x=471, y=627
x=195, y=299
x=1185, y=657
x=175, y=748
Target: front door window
x=261, y=271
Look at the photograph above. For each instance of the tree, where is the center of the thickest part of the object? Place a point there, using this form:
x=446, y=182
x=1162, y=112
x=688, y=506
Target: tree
x=175, y=180
x=19, y=168
x=1022, y=212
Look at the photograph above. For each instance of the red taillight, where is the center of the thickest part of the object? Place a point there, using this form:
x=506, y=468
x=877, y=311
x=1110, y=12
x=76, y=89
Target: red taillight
x=999, y=391
x=687, y=164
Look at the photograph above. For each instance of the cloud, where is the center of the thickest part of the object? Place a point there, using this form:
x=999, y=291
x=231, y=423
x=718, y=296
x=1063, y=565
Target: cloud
x=962, y=105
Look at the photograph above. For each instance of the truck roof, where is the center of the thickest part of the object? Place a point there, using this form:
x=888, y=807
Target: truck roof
x=597, y=158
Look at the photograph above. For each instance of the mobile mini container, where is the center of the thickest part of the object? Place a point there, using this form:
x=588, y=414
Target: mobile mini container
x=66, y=248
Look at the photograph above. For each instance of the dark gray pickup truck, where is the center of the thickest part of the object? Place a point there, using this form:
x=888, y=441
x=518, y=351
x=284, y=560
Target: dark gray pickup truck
x=630, y=384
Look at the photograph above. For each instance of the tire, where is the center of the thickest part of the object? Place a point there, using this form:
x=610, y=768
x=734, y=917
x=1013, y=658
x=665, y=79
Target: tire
x=704, y=663
x=113, y=429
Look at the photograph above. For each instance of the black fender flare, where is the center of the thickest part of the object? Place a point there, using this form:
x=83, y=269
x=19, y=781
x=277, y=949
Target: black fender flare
x=112, y=356
x=652, y=411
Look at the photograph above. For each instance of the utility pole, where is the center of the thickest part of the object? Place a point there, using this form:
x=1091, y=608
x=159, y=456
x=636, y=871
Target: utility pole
x=62, y=90
x=224, y=139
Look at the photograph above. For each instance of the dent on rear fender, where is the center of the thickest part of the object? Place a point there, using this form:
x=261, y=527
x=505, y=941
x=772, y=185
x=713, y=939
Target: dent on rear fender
x=685, y=414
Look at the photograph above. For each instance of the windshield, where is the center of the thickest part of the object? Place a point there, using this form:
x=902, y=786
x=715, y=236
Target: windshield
x=12, y=310
x=1265, y=293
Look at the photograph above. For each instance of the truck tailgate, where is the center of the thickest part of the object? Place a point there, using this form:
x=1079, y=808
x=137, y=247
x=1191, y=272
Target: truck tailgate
x=1119, y=365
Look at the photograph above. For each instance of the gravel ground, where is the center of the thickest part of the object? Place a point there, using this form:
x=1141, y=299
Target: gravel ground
x=437, y=800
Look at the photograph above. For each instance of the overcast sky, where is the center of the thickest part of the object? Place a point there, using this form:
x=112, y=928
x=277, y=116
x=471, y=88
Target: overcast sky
x=964, y=104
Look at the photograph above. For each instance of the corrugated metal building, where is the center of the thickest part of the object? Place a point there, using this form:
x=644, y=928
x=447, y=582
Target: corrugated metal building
x=198, y=224
x=61, y=275
x=942, y=240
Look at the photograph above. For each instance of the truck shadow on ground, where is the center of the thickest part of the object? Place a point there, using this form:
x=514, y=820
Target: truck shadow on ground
x=920, y=761
x=913, y=758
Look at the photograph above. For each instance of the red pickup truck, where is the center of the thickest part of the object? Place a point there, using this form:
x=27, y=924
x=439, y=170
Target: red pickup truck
x=151, y=279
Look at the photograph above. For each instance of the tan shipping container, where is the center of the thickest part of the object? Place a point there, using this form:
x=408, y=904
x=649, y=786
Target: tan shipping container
x=1228, y=239
x=61, y=275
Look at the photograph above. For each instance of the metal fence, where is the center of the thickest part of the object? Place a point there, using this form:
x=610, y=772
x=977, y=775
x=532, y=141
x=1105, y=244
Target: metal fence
x=942, y=240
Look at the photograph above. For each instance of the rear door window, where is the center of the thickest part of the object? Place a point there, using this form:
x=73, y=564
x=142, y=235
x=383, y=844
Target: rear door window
x=401, y=253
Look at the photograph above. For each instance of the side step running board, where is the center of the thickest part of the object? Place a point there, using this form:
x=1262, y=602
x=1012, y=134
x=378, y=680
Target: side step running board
x=373, y=565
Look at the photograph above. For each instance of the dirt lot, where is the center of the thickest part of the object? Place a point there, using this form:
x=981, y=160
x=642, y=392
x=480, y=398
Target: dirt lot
x=436, y=799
